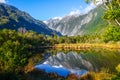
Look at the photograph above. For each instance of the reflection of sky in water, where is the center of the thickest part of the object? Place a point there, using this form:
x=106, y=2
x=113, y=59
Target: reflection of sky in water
x=59, y=70
x=78, y=72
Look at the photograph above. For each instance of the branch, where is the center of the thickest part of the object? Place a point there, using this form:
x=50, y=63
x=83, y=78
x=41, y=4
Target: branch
x=117, y=22
x=103, y=7
x=104, y=2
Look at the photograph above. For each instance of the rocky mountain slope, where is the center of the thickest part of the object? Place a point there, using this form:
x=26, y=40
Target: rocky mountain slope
x=73, y=25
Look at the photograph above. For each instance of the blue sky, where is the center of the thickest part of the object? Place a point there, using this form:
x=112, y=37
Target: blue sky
x=46, y=9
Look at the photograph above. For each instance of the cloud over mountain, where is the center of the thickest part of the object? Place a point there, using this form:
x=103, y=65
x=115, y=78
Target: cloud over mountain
x=89, y=8
x=74, y=12
x=2, y=1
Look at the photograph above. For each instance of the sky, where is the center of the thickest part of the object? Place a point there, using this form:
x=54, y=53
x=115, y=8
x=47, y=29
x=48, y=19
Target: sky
x=46, y=9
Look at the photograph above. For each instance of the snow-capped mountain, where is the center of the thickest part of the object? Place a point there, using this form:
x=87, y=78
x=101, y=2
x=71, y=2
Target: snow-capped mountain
x=78, y=24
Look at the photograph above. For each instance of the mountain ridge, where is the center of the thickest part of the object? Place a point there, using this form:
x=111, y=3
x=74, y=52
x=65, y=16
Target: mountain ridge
x=89, y=23
x=13, y=18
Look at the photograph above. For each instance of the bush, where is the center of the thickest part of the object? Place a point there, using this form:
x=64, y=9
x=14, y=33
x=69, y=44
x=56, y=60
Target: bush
x=112, y=34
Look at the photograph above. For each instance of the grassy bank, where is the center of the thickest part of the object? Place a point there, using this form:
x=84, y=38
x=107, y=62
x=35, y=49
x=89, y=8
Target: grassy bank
x=83, y=46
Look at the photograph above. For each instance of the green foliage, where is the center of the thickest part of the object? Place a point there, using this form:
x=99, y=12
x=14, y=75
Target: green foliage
x=118, y=68
x=112, y=15
x=112, y=34
x=16, y=49
x=94, y=38
x=117, y=76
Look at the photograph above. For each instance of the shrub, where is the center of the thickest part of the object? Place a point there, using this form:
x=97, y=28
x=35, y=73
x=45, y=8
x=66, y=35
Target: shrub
x=112, y=34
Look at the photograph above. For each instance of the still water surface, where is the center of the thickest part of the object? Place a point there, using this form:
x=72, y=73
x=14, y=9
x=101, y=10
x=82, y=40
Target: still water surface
x=79, y=62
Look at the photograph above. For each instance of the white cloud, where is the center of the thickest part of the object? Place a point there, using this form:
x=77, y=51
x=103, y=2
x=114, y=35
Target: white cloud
x=57, y=18
x=89, y=7
x=85, y=10
x=75, y=12
x=2, y=1
x=100, y=2
x=93, y=5
x=45, y=22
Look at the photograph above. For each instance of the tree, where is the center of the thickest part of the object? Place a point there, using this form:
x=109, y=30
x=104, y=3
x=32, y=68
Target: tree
x=16, y=49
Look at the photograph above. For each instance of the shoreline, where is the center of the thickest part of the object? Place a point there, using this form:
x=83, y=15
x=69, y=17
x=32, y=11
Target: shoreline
x=83, y=46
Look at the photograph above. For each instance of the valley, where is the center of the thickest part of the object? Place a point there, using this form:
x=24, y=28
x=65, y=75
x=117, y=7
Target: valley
x=72, y=47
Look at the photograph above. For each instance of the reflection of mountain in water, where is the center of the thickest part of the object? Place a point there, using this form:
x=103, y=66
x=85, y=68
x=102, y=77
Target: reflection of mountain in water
x=80, y=63
x=88, y=60
x=70, y=61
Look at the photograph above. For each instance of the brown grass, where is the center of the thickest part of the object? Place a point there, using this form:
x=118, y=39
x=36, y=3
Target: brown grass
x=85, y=46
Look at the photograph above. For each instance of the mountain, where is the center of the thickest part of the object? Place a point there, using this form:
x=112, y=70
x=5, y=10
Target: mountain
x=73, y=25
x=13, y=18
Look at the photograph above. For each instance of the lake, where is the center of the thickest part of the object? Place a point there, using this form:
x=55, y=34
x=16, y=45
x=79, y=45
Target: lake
x=79, y=62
